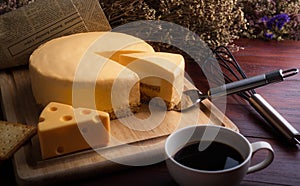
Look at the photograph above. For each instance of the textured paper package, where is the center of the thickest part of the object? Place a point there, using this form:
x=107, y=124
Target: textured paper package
x=24, y=29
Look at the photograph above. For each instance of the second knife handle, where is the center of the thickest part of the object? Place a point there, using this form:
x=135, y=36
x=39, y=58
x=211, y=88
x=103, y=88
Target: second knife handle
x=274, y=118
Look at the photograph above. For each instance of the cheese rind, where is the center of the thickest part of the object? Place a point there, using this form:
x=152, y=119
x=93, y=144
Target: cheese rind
x=63, y=129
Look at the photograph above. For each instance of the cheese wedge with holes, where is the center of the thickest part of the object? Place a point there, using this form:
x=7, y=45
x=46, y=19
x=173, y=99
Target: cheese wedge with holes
x=63, y=129
x=161, y=75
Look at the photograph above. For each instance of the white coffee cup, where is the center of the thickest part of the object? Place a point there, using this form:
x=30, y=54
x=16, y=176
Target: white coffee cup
x=184, y=175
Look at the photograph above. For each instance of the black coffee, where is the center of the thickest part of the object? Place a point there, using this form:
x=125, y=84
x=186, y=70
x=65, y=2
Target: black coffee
x=217, y=156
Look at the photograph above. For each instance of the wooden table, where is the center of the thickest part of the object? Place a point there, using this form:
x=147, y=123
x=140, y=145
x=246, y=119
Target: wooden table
x=257, y=57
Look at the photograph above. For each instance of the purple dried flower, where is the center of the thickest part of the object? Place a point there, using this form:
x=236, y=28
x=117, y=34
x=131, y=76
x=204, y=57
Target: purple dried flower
x=278, y=20
x=272, y=16
x=264, y=19
x=269, y=35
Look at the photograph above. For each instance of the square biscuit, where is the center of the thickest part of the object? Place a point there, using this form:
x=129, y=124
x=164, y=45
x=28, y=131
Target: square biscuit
x=13, y=136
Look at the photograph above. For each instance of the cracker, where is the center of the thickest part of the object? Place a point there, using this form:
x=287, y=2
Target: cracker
x=13, y=136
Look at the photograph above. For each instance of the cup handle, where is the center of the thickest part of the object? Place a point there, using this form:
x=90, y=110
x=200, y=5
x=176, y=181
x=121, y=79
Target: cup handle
x=260, y=145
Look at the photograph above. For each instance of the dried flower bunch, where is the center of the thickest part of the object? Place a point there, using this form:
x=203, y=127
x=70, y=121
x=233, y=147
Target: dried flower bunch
x=272, y=19
x=8, y=5
x=217, y=22
x=120, y=12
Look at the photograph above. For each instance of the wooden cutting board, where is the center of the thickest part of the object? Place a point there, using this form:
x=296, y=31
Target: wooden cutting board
x=137, y=141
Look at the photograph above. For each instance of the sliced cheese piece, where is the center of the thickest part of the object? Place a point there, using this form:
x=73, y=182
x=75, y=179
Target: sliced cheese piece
x=63, y=129
x=161, y=74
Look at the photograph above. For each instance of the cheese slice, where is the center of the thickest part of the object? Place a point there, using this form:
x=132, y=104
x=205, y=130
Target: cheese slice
x=161, y=75
x=63, y=129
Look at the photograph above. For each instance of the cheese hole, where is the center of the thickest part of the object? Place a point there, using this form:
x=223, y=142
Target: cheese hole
x=97, y=119
x=41, y=119
x=84, y=130
x=53, y=109
x=59, y=150
x=86, y=112
x=67, y=118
